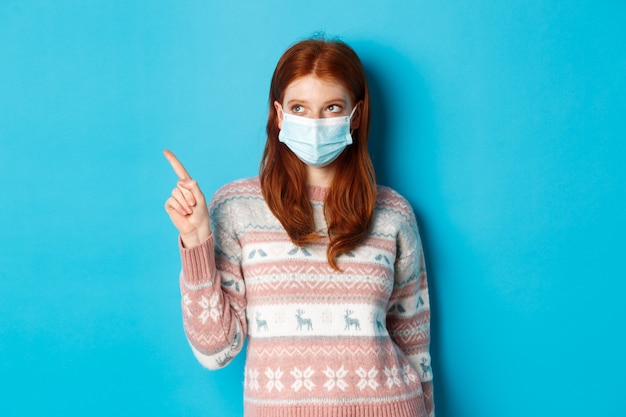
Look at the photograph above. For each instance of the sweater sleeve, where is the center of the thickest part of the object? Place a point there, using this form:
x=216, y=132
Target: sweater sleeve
x=213, y=298
x=408, y=317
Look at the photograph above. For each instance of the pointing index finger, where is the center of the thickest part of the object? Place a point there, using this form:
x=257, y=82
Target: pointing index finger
x=179, y=169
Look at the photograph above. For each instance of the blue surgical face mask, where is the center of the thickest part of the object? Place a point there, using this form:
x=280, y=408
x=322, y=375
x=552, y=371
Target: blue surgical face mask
x=317, y=142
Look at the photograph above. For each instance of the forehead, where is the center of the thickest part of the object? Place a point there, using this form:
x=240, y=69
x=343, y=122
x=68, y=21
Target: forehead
x=311, y=88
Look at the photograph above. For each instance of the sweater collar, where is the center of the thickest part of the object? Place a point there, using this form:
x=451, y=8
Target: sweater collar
x=316, y=192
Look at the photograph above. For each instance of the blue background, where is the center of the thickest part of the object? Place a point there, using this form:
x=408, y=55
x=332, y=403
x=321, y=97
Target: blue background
x=502, y=122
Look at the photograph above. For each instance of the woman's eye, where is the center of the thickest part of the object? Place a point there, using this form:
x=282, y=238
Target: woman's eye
x=297, y=108
x=333, y=108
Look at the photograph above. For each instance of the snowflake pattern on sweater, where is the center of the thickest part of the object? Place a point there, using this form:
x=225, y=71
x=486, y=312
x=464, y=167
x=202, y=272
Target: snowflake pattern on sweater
x=320, y=341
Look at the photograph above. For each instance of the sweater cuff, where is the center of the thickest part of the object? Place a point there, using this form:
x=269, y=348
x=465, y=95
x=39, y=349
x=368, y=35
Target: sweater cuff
x=198, y=262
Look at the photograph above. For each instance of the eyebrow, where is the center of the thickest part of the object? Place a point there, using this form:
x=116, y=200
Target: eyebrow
x=336, y=100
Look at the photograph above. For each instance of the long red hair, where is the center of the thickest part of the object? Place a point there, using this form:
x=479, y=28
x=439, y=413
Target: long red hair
x=349, y=203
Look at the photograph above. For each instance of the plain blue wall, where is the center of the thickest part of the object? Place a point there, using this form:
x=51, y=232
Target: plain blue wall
x=502, y=122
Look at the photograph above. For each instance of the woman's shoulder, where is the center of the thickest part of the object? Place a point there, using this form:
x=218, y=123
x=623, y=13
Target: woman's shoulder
x=394, y=207
x=390, y=198
x=240, y=189
x=243, y=185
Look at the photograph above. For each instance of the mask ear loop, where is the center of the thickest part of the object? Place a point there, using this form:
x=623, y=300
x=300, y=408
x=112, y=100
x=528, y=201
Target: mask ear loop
x=351, y=114
x=353, y=110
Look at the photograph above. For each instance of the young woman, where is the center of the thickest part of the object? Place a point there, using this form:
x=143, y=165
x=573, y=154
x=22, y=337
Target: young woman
x=321, y=269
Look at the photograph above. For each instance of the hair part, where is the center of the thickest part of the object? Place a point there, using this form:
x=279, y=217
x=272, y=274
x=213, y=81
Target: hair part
x=349, y=203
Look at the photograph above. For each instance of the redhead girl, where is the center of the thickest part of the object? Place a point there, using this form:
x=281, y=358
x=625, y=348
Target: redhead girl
x=320, y=268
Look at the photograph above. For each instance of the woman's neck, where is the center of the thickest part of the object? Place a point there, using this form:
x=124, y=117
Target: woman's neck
x=320, y=177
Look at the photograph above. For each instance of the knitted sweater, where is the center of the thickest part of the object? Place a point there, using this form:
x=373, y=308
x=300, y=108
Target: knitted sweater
x=321, y=342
